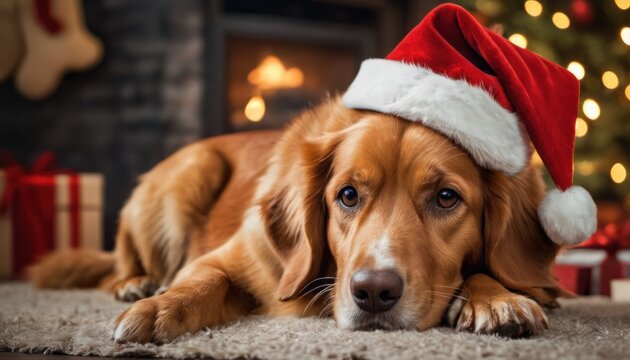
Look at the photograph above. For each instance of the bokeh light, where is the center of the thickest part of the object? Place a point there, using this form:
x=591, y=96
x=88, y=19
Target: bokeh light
x=577, y=69
x=618, y=173
x=490, y=8
x=534, y=8
x=518, y=40
x=610, y=80
x=623, y=4
x=591, y=109
x=581, y=127
x=560, y=20
x=585, y=167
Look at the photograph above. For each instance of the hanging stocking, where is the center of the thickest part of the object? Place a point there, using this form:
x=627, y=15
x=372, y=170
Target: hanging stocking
x=56, y=41
x=11, y=46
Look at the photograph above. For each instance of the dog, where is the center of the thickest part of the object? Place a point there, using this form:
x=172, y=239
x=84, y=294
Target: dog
x=380, y=222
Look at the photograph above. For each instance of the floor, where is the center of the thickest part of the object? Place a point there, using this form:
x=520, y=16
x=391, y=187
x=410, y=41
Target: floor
x=8, y=355
x=79, y=322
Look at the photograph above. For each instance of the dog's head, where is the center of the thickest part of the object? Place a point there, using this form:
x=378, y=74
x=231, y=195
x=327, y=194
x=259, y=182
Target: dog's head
x=404, y=214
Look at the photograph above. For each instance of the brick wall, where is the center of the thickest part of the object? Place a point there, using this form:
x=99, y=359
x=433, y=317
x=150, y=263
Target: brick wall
x=139, y=104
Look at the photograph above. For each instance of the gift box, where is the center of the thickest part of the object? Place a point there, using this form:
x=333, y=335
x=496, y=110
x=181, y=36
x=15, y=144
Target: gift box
x=620, y=290
x=602, y=255
x=43, y=210
x=579, y=270
x=575, y=279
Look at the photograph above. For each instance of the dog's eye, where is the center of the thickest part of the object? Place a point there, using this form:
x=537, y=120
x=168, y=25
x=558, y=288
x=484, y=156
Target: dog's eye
x=447, y=198
x=349, y=196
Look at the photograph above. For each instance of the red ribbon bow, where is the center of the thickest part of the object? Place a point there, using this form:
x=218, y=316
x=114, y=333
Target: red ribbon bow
x=45, y=164
x=31, y=194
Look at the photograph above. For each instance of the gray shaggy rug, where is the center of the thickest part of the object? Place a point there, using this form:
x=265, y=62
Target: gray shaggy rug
x=77, y=322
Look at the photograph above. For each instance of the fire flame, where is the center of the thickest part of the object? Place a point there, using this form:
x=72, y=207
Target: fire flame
x=255, y=109
x=271, y=74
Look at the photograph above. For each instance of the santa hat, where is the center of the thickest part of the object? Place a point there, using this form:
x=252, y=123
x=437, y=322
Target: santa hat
x=490, y=97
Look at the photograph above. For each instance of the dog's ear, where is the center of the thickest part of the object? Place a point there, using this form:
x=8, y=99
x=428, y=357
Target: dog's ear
x=294, y=213
x=517, y=251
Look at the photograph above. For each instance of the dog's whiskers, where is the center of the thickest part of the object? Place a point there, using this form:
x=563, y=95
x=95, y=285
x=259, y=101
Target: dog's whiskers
x=448, y=287
x=443, y=294
x=433, y=299
x=326, y=290
x=313, y=289
x=324, y=278
x=327, y=310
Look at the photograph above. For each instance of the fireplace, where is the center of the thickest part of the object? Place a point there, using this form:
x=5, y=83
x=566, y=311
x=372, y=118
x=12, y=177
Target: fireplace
x=267, y=61
x=269, y=81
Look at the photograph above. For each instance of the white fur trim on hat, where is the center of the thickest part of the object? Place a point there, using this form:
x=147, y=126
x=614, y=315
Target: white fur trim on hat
x=568, y=217
x=466, y=114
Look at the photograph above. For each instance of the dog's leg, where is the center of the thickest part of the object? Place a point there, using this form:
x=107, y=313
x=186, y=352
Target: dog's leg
x=201, y=295
x=129, y=282
x=171, y=201
x=135, y=288
x=486, y=307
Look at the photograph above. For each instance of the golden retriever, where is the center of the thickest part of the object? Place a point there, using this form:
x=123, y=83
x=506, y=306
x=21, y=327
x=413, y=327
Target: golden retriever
x=381, y=222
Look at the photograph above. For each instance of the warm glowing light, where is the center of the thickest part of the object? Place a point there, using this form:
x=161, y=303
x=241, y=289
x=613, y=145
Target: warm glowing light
x=623, y=4
x=518, y=40
x=627, y=91
x=488, y=7
x=294, y=77
x=271, y=74
x=581, y=127
x=255, y=109
x=610, y=80
x=536, y=160
x=625, y=35
x=591, y=109
x=534, y=8
x=618, y=173
x=585, y=168
x=577, y=69
x=561, y=20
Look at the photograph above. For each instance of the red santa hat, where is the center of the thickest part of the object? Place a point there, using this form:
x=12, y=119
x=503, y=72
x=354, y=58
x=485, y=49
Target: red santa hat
x=490, y=97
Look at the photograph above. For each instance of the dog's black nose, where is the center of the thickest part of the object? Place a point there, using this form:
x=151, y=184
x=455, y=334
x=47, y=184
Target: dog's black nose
x=376, y=291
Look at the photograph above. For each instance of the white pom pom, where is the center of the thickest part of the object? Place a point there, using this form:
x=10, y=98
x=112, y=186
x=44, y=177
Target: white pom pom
x=568, y=217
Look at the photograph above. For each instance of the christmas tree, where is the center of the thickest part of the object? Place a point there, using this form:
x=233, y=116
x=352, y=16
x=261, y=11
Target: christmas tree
x=592, y=40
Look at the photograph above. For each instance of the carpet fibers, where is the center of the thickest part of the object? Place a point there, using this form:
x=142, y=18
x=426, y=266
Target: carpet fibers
x=78, y=322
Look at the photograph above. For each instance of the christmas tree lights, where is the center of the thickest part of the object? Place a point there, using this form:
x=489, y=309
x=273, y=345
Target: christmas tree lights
x=592, y=40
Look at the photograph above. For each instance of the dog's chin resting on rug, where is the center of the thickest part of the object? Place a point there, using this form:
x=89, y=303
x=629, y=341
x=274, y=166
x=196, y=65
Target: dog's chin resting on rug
x=379, y=222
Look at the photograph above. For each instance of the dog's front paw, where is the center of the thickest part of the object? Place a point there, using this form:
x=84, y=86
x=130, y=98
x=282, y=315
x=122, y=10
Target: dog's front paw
x=509, y=315
x=157, y=319
x=135, y=288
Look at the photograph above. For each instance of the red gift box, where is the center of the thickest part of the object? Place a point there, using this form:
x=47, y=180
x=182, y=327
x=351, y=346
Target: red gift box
x=574, y=278
x=42, y=210
x=579, y=270
x=609, y=241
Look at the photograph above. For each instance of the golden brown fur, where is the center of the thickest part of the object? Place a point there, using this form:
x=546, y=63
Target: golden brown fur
x=251, y=223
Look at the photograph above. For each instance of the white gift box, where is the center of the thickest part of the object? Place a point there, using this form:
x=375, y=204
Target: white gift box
x=620, y=290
